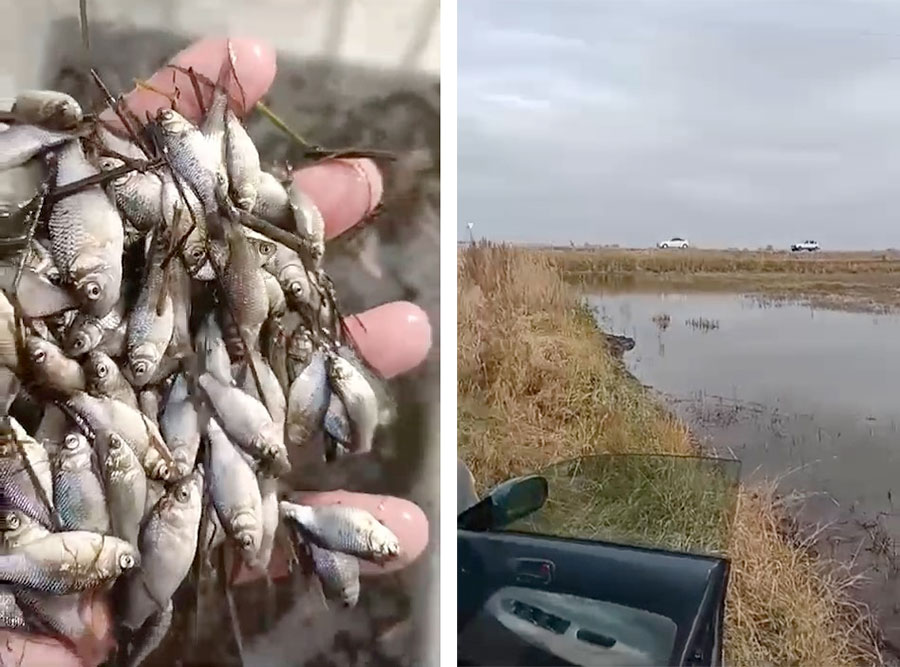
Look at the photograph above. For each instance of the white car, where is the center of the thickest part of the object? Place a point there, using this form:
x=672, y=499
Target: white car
x=810, y=246
x=674, y=242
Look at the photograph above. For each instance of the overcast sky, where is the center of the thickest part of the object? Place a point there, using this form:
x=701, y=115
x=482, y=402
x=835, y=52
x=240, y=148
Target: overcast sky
x=731, y=122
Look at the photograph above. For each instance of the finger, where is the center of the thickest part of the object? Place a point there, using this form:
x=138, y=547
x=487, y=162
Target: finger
x=345, y=191
x=402, y=517
x=254, y=66
x=394, y=338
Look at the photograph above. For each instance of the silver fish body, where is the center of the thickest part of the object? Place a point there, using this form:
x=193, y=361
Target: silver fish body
x=180, y=426
x=168, y=542
x=48, y=108
x=138, y=194
x=87, y=236
x=126, y=489
x=150, y=636
x=242, y=163
x=338, y=573
x=247, y=423
x=268, y=491
x=307, y=402
x=17, y=489
x=191, y=155
x=272, y=394
x=11, y=615
x=68, y=562
x=273, y=203
x=77, y=492
x=60, y=614
x=235, y=494
x=301, y=348
x=20, y=143
x=151, y=322
x=350, y=530
x=309, y=221
x=336, y=422
x=359, y=399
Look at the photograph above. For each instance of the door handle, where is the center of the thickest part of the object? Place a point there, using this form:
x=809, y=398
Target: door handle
x=533, y=570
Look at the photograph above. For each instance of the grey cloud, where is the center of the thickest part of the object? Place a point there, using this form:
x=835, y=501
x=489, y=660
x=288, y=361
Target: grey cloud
x=733, y=123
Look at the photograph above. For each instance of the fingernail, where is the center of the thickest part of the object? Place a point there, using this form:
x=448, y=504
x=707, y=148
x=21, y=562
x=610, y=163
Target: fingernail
x=345, y=191
x=394, y=337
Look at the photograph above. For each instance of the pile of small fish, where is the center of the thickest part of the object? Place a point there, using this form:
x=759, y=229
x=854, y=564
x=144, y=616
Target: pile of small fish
x=174, y=360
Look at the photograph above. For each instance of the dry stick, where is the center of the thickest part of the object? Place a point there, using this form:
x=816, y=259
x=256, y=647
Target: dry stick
x=102, y=178
x=232, y=607
x=192, y=75
x=123, y=116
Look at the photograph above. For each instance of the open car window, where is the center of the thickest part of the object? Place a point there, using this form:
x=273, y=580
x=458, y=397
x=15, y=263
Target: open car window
x=684, y=504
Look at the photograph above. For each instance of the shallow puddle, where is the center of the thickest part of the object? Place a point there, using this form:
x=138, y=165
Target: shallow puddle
x=810, y=397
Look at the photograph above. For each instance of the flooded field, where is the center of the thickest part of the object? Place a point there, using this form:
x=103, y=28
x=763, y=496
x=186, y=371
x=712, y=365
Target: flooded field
x=809, y=397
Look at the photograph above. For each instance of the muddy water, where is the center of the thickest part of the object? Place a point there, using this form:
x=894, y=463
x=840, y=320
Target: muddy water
x=811, y=397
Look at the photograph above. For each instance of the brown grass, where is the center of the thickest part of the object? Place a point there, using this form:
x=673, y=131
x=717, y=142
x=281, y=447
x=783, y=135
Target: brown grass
x=538, y=385
x=867, y=281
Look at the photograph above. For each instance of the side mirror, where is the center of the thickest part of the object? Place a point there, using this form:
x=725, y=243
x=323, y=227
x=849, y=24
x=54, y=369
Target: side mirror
x=507, y=502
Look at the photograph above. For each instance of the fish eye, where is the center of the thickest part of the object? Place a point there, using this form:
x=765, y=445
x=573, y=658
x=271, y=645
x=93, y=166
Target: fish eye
x=266, y=248
x=139, y=367
x=9, y=521
x=296, y=288
x=92, y=291
x=126, y=561
x=115, y=441
x=71, y=441
x=102, y=370
x=246, y=541
x=197, y=252
x=38, y=356
x=167, y=114
x=79, y=342
x=182, y=494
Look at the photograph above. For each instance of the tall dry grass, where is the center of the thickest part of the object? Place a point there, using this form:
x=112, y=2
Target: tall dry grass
x=538, y=385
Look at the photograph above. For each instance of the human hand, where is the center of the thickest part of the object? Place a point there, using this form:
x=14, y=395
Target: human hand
x=394, y=337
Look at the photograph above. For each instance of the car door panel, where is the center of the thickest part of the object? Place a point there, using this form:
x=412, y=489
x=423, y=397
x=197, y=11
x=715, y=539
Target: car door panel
x=606, y=592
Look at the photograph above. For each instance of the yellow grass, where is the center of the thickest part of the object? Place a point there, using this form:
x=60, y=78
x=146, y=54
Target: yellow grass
x=537, y=385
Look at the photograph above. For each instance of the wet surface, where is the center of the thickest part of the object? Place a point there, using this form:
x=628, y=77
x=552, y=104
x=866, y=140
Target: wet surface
x=335, y=105
x=805, y=396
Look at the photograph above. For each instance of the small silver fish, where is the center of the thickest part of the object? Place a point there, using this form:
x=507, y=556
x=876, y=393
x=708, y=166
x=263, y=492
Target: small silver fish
x=247, y=423
x=48, y=108
x=273, y=395
x=168, y=542
x=17, y=489
x=235, y=494
x=242, y=162
x=20, y=143
x=300, y=351
x=68, y=562
x=126, y=489
x=349, y=530
x=77, y=492
x=338, y=573
x=151, y=322
x=192, y=156
x=11, y=615
x=106, y=333
x=180, y=426
x=86, y=235
x=273, y=203
x=309, y=221
x=138, y=195
x=268, y=491
x=359, y=399
x=307, y=402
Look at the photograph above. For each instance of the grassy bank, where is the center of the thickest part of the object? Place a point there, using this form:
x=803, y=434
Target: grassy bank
x=864, y=279
x=537, y=385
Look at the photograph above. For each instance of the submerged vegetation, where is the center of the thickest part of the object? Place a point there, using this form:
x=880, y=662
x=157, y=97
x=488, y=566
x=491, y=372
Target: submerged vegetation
x=554, y=391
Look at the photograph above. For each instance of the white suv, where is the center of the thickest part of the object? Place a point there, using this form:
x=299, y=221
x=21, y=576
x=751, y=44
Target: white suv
x=674, y=242
x=811, y=246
